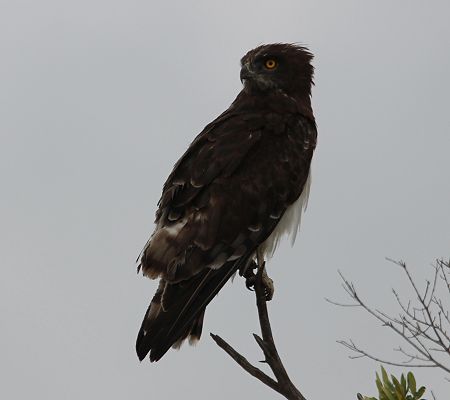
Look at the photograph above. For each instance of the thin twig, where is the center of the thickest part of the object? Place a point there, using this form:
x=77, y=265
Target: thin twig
x=243, y=362
x=425, y=327
x=350, y=345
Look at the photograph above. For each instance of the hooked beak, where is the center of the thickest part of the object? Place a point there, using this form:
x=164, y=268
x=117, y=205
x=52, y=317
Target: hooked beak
x=246, y=73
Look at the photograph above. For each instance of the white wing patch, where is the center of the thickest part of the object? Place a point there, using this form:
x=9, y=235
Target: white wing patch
x=289, y=223
x=160, y=247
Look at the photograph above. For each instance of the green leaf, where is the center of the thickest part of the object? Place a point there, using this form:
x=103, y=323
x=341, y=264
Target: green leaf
x=389, y=394
x=398, y=388
x=384, y=375
x=403, y=381
x=420, y=393
x=387, y=383
x=379, y=385
x=412, y=383
x=359, y=396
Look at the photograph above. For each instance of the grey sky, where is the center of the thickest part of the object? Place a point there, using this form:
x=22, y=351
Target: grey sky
x=98, y=99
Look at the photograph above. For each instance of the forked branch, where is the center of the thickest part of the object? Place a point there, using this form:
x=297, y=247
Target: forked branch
x=282, y=383
x=423, y=323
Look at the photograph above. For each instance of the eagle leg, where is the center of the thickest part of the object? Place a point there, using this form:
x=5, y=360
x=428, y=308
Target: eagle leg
x=267, y=283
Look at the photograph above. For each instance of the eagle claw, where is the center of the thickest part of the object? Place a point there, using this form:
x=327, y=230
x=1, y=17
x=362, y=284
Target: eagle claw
x=250, y=280
x=268, y=286
x=249, y=275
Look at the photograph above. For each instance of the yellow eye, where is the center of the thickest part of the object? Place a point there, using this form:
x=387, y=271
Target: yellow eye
x=270, y=64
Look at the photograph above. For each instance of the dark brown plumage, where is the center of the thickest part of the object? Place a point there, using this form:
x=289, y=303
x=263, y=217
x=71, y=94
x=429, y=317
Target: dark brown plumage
x=228, y=192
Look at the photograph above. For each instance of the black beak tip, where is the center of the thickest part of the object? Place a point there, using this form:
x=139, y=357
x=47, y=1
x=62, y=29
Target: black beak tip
x=245, y=74
x=242, y=77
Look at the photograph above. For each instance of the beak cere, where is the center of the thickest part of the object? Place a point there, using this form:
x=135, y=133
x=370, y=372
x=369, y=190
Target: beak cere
x=245, y=73
x=252, y=80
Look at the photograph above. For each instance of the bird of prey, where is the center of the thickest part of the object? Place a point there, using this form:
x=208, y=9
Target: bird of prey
x=241, y=185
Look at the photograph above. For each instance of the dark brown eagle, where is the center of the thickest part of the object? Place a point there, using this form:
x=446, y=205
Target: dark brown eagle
x=241, y=184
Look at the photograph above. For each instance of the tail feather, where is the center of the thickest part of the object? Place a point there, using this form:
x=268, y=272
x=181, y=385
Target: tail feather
x=177, y=310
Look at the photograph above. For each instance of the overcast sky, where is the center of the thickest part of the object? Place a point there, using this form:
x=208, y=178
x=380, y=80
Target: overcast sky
x=98, y=99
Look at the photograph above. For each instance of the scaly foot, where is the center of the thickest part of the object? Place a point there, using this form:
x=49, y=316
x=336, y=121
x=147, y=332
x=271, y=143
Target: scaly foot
x=267, y=284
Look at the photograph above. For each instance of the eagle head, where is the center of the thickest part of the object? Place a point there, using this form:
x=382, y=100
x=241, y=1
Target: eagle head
x=279, y=66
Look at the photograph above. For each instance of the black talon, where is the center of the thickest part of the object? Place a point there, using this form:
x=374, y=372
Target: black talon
x=250, y=282
x=247, y=270
x=249, y=275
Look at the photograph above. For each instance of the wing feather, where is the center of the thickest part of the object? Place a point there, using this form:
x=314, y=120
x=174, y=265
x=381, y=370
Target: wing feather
x=222, y=200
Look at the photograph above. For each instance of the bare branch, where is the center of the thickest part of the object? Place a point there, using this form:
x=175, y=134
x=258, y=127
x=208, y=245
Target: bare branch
x=243, y=362
x=423, y=327
x=282, y=384
x=444, y=267
x=362, y=353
